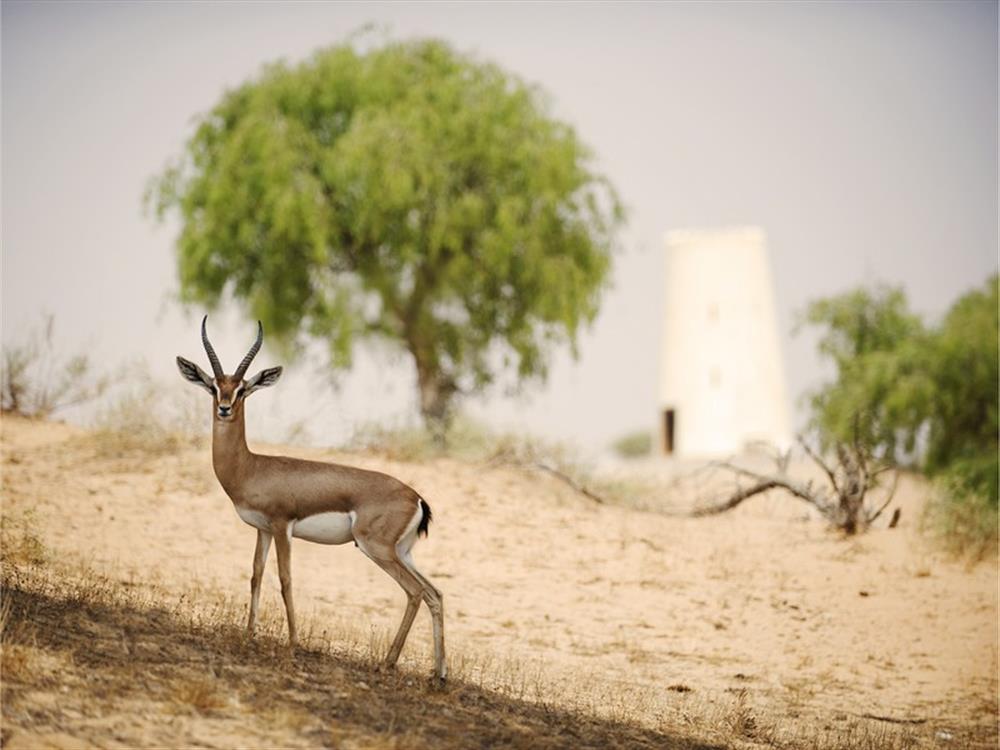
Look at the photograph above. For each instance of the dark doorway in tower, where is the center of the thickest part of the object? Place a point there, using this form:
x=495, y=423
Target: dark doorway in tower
x=669, y=422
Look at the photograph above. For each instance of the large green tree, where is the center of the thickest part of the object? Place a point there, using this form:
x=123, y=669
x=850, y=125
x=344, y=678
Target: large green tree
x=408, y=192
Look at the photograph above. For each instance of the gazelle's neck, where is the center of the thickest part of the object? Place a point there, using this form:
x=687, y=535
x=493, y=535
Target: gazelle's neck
x=230, y=455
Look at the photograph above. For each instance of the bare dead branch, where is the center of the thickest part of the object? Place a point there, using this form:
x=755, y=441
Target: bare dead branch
x=891, y=719
x=571, y=482
x=851, y=479
x=819, y=462
x=892, y=492
x=737, y=498
x=804, y=492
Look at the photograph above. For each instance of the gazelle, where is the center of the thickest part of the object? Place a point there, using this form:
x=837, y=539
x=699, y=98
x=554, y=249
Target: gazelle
x=326, y=503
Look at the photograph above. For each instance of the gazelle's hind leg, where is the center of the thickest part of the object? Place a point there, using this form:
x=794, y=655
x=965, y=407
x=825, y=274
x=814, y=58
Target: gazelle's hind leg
x=395, y=560
x=414, y=592
x=435, y=603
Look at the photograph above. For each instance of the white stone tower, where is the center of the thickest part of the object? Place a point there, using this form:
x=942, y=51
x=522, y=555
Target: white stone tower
x=723, y=377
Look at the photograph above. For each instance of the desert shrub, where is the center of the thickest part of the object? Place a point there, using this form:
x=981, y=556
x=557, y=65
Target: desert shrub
x=137, y=417
x=634, y=445
x=925, y=395
x=36, y=380
x=469, y=440
x=957, y=514
x=464, y=438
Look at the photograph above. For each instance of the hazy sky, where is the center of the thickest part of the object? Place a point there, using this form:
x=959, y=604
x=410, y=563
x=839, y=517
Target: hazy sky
x=861, y=136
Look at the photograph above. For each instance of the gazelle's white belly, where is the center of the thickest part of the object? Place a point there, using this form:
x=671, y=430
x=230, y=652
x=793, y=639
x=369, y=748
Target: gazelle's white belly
x=254, y=518
x=325, y=528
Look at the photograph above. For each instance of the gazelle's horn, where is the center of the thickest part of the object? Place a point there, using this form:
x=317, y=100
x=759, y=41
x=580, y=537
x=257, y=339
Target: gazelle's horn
x=252, y=353
x=212, y=356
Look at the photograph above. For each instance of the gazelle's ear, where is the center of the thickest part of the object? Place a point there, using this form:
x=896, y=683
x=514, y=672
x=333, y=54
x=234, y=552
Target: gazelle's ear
x=263, y=379
x=191, y=372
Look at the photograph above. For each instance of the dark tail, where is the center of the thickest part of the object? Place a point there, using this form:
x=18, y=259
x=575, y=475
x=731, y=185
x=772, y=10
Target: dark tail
x=425, y=518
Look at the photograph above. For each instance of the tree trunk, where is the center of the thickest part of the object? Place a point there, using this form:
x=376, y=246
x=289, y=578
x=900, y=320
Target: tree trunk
x=436, y=394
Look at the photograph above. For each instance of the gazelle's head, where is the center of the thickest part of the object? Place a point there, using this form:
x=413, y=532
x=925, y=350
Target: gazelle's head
x=228, y=391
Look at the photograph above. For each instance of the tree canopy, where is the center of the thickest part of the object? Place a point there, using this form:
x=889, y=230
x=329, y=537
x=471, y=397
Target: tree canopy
x=409, y=192
x=927, y=394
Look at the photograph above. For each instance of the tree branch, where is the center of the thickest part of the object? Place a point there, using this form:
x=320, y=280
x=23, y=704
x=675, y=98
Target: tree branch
x=570, y=481
x=819, y=462
x=766, y=482
x=892, y=492
x=736, y=499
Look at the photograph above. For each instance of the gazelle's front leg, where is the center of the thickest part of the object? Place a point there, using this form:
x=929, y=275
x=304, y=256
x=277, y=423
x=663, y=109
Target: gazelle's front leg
x=283, y=546
x=259, y=561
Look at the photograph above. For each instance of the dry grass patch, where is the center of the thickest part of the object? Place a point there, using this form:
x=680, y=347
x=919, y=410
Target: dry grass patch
x=20, y=544
x=200, y=694
x=130, y=649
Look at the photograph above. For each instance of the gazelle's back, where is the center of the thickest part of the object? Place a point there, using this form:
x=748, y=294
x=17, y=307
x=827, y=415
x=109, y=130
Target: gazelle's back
x=301, y=488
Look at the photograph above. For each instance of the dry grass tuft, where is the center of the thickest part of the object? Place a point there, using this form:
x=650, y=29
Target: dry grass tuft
x=137, y=419
x=19, y=662
x=20, y=544
x=198, y=693
x=742, y=721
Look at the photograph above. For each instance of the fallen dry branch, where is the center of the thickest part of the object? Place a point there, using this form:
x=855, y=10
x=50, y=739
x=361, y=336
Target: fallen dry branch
x=851, y=480
x=566, y=478
x=892, y=719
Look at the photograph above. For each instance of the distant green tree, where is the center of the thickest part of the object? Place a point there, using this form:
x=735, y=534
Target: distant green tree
x=927, y=395
x=881, y=390
x=409, y=192
x=963, y=425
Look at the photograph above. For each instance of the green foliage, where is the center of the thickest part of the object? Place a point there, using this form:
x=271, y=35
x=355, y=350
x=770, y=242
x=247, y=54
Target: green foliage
x=958, y=515
x=964, y=422
x=881, y=390
x=409, y=192
x=925, y=394
x=634, y=445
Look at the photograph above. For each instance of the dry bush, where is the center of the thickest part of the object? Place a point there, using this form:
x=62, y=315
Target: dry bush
x=139, y=419
x=468, y=440
x=960, y=523
x=36, y=380
x=404, y=443
x=844, y=496
x=465, y=439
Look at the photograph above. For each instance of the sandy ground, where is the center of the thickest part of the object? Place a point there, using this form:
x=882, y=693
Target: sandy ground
x=763, y=602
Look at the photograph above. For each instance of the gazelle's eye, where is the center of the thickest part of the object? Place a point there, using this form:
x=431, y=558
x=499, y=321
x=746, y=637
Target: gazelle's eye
x=238, y=393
